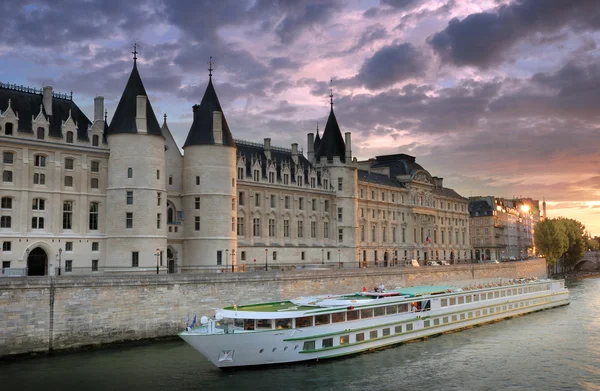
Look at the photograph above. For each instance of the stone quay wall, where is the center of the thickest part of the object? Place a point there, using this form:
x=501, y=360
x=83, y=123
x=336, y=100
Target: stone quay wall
x=45, y=314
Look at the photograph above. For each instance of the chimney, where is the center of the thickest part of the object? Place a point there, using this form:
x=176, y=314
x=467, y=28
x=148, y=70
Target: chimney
x=218, y=127
x=295, y=153
x=348, y=147
x=311, y=146
x=140, y=114
x=47, y=100
x=437, y=181
x=268, y=148
x=98, y=108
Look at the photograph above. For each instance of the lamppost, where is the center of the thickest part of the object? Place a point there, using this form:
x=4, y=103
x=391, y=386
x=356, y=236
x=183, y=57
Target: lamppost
x=232, y=260
x=339, y=262
x=59, y=259
x=226, y=259
x=266, y=260
x=157, y=255
x=322, y=259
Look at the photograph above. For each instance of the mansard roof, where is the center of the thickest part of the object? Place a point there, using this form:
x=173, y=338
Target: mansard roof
x=380, y=179
x=124, y=119
x=332, y=144
x=26, y=102
x=280, y=155
x=201, y=132
x=449, y=193
x=399, y=164
x=480, y=209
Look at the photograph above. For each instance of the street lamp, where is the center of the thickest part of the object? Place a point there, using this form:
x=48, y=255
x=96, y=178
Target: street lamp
x=322, y=259
x=232, y=260
x=226, y=259
x=266, y=261
x=157, y=255
x=59, y=259
x=339, y=262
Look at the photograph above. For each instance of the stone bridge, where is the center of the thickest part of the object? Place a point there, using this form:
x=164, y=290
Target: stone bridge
x=590, y=261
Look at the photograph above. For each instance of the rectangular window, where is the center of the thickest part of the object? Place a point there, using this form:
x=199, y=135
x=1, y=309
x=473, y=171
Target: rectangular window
x=158, y=220
x=39, y=161
x=93, y=223
x=68, y=246
x=158, y=198
x=68, y=164
x=6, y=246
x=340, y=182
x=373, y=334
x=286, y=228
x=130, y=198
x=94, y=265
x=7, y=157
x=398, y=329
x=344, y=340
x=7, y=176
x=135, y=259
x=326, y=206
x=95, y=166
x=68, y=215
x=241, y=198
x=240, y=226
x=300, y=229
x=38, y=204
x=326, y=230
x=68, y=266
x=409, y=327
x=272, y=228
x=274, y=255
x=129, y=220
x=130, y=172
x=39, y=179
x=243, y=256
x=341, y=235
x=308, y=345
x=314, y=204
x=197, y=203
x=301, y=203
x=256, y=227
x=5, y=222
x=95, y=246
x=157, y=174
x=302, y=255
x=327, y=342
x=6, y=203
x=313, y=229
x=287, y=202
x=272, y=201
x=68, y=181
x=340, y=214
x=359, y=337
x=94, y=183
x=257, y=200
x=196, y=223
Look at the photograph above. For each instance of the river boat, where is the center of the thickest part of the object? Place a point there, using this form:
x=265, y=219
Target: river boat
x=329, y=326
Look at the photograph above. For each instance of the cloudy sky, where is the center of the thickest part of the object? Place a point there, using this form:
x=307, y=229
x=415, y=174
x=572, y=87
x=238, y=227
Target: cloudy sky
x=498, y=97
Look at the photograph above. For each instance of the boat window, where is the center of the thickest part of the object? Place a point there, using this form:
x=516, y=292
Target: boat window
x=409, y=327
x=238, y=323
x=379, y=311
x=492, y=310
x=248, y=324
x=496, y=294
x=385, y=332
x=520, y=291
x=427, y=323
x=444, y=302
x=391, y=309
x=499, y=308
x=476, y=297
x=522, y=304
x=283, y=324
x=436, y=321
x=470, y=315
x=304, y=321
x=426, y=305
x=462, y=316
x=461, y=299
x=373, y=334
x=366, y=313
x=398, y=329
x=503, y=308
x=327, y=342
x=403, y=307
x=484, y=312
x=453, y=301
x=445, y=319
x=468, y=298
x=359, y=337
x=490, y=296
x=338, y=317
x=352, y=315
x=264, y=324
x=454, y=318
x=344, y=340
x=477, y=313
x=321, y=319
x=514, y=291
x=308, y=345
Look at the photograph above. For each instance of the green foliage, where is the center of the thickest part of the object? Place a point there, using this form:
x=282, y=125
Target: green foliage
x=551, y=239
x=577, y=241
x=593, y=245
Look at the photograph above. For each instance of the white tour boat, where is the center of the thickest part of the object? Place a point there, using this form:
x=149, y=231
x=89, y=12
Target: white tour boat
x=321, y=327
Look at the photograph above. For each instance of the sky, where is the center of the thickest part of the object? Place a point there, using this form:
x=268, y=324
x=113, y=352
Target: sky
x=498, y=97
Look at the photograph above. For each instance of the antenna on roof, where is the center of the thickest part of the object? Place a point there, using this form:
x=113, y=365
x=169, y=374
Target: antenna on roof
x=135, y=52
x=210, y=68
x=331, y=92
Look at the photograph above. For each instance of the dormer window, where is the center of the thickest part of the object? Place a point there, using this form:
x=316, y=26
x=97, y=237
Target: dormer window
x=313, y=182
x=271, y=177
x=40, y=134
x=70, y=137
x=8, y=129
x=240, y=173
x=95, y=140
x=256, y=175
x=299, y=181
x=286, y=179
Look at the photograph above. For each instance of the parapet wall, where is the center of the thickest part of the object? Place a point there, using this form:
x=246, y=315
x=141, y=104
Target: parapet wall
x=41, y=314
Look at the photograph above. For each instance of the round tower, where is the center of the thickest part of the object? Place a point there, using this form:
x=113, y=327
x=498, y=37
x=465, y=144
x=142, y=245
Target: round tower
x=209, y=189
x=136, y=194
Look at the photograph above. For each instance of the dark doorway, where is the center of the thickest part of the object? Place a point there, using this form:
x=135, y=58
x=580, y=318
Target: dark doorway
x=170, y=260
x=37, y=263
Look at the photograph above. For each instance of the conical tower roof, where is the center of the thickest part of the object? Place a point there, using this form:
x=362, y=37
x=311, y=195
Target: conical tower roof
x=317, y=140
x=124, y=119
x=332, y=144
x=201, y=132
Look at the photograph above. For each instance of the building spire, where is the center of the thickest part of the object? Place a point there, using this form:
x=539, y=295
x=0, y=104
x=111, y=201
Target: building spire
x=135, y=52
x=105, y=115
x=331, y=93
x=210, y=68
x=165, y=116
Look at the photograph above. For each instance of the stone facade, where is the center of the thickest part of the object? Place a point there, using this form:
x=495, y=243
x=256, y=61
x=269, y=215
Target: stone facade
x=48, y=313
x=123, y=198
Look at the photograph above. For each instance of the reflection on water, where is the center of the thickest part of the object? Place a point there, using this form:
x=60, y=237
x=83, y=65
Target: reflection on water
x=558, y=349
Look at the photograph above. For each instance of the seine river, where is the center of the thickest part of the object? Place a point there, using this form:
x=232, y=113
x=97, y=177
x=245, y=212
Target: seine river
x=557, y=349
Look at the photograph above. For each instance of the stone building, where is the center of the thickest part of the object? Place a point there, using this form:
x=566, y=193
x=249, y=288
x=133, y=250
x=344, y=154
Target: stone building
x=81, y=196
x=502, y=229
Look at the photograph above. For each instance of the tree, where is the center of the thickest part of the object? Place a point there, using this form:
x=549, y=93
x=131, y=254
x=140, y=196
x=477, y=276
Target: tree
x=577, y=241
x=551, y=240
x=593, y=245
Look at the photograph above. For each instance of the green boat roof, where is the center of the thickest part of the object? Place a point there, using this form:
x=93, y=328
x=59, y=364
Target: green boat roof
x=424, y=290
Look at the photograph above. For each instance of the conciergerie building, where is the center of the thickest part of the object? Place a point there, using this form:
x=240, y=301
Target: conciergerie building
x=84, y=196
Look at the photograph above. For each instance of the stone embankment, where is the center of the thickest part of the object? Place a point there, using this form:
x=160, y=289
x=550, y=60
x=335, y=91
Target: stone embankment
x=46, y=314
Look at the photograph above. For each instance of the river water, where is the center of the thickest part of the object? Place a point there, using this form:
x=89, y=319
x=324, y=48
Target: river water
x=557, y=349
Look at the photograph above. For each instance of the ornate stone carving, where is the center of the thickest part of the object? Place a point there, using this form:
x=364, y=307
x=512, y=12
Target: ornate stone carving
x=422, y=177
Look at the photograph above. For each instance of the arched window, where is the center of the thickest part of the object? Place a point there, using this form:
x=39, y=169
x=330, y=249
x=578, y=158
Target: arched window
x=8, y=129
x=40, y=133
x=197, y=181
x=70, y=137
x=95, y=140
x=170, y=179
x=171, y=215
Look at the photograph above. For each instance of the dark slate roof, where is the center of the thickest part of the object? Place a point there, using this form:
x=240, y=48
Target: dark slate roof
x=380, y=179
x=124, y=119
x=317, y=141
x=280, y=155
x=332, y=143
x=446, y=192
x=201, y=132
x=399, y=164
x=27, y=105
x=479, y=209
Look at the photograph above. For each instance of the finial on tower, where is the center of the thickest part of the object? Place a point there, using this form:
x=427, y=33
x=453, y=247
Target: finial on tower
x=165, y=116
x=105, y=115
x=331, y=92
x=135, y=52
x=210, y=68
